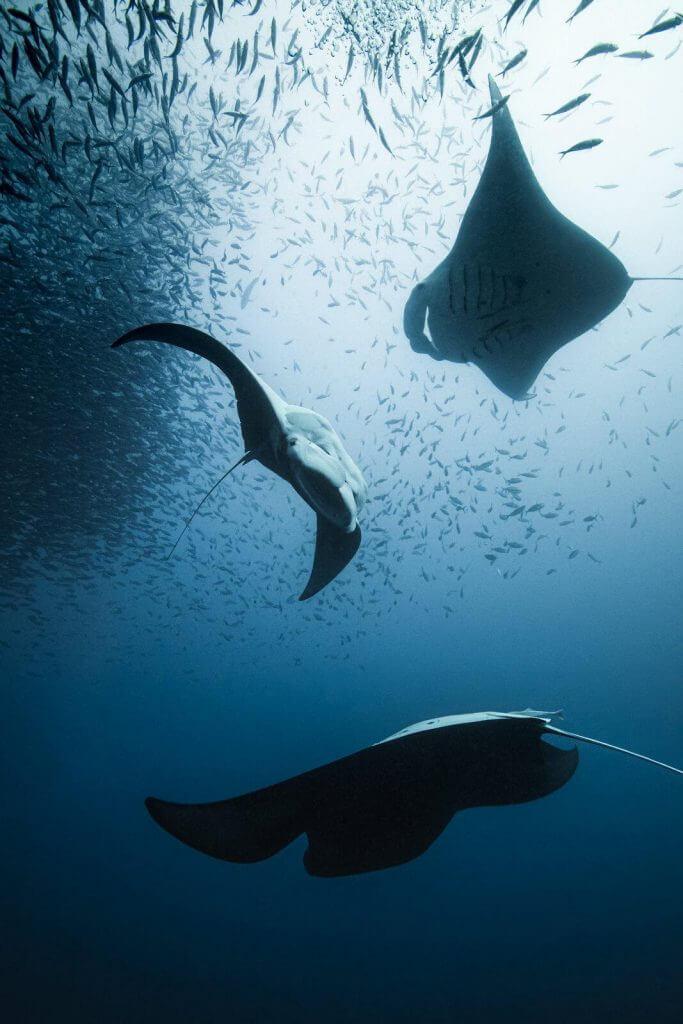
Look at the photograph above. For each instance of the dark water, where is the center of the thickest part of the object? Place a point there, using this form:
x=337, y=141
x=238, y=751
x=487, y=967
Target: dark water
x=202, y=677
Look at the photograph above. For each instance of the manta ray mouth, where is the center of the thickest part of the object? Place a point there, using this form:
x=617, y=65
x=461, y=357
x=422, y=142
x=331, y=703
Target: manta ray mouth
x=322, y=481
x=336, y=504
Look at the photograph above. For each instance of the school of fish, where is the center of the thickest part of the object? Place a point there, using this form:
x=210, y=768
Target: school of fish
x=154, y=167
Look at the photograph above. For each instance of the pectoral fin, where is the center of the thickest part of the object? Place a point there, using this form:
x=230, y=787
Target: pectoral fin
x=334, y=549
x=256, y=402
x=243, y=830
x=372, y=838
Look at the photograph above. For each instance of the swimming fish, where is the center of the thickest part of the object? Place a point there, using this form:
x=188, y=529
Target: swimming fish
x=598, y=50
x=578, y=147
x=579, y=10
x=494, y=109
x=663, y=26
x=571, y=105
x=512, y=10
x=516, y=60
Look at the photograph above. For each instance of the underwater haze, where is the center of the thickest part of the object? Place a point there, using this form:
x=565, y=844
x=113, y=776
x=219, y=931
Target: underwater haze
x=281, y=174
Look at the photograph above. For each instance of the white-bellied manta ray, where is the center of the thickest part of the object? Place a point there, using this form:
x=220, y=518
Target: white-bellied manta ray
x=385, y=805
x=297, y=444
x=521, y=279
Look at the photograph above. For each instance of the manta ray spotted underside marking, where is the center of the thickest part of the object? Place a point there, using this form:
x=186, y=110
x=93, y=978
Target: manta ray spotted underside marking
x=521, y=280
x=297, y=444
x=385, y=805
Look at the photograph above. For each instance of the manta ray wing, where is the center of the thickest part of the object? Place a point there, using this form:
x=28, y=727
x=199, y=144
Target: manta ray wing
x=255, y=401
x=334, y=549
x=388, y=804
x=361, y=839
x=378, y=808
x=243, y=830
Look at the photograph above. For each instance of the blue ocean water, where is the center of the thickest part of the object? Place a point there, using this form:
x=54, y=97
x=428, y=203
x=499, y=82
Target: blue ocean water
x=202, y=677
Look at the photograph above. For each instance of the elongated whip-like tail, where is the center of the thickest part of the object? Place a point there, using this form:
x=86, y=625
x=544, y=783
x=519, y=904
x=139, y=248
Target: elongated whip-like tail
x=611, y=746
x=657, y=278
x=247, y=457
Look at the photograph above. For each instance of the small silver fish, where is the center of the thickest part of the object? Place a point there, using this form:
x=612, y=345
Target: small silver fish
x=578, y=147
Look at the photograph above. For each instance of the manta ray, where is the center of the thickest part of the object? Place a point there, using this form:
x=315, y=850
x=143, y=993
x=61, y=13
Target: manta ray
x=297, y=444
x=521, y=280
x=386, y=805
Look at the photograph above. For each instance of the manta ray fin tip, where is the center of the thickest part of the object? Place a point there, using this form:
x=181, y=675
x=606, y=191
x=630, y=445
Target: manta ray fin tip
x=334, y=549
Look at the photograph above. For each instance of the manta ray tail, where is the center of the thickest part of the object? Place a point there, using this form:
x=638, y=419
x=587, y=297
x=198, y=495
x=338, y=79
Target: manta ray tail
x=247, y=457
x=657, y=278
x=611, y=746
x=242, y=830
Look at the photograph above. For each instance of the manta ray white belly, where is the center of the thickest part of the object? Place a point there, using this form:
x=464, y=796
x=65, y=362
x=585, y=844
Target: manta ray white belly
x=323, y=469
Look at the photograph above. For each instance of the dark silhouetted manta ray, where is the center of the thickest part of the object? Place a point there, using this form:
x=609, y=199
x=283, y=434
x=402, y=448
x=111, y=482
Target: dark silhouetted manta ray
x=387, y=804
x=521, y=279
x=297, y=444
